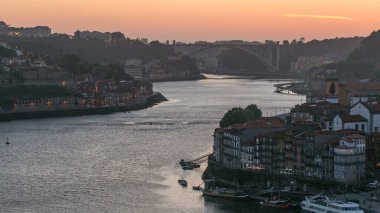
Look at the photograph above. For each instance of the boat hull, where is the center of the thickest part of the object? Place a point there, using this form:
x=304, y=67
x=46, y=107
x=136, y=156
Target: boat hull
x=226, y=196
x=279, y=206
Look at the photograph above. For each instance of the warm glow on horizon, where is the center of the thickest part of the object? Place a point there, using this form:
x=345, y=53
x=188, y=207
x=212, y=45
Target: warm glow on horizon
x=191, y=20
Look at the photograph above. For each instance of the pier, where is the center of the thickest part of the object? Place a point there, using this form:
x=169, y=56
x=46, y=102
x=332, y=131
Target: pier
x=202, y=158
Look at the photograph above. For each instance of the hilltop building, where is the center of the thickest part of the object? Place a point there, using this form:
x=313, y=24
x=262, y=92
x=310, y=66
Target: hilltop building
x=38, y=31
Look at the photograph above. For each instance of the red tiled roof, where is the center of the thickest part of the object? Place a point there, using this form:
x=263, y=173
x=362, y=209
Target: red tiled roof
x=362, y=86
x=355, y=136
x=339, y=132
x=373, y=108
x=319, y=105
x=264, y=122
x=352, y=118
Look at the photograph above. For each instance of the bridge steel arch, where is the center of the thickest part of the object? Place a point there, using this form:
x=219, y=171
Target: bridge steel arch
x=269, y=55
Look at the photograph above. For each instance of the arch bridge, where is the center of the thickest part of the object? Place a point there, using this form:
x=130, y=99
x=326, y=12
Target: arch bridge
x=268, y=54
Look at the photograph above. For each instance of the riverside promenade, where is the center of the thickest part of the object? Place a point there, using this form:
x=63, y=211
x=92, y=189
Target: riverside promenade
x=140, y=103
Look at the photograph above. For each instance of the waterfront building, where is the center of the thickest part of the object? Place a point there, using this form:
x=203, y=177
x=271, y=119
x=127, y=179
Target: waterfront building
x=231, y=148
x=318, y=155
x=228, y=149
x=265, y=152
x=350, y=159
x=218, y=145
x=47, y=103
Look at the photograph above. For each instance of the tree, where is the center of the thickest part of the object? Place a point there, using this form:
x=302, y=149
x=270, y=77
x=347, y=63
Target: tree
x=233, y=116
x=117, y=36
x=252, y=112
x=332, y=88
x=239, y=115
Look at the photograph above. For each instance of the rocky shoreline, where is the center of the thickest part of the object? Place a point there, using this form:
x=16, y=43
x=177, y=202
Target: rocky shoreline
x=135, y=105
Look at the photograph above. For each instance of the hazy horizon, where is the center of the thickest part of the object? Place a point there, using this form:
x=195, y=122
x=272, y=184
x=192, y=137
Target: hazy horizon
x=208, y=20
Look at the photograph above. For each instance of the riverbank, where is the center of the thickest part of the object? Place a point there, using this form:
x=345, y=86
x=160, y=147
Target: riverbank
x=258, y=75
x=133, y=105
x=181, y=78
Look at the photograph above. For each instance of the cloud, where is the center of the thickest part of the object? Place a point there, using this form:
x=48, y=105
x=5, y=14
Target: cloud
x=317, y=16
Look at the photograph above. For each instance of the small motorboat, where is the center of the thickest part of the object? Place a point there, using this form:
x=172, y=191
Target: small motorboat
x=197, y=188
x=196, y=165
x=7, y=141
x=187, y=167
x=182, y=182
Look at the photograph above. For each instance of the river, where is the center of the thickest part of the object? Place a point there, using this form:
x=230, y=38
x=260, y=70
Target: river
x=127, y=162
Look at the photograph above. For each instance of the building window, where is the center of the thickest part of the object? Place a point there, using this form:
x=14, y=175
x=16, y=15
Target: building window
x=362, y=127
x=376, y=129
x=356, y=126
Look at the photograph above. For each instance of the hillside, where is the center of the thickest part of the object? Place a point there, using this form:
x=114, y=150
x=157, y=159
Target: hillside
x=363, y=62
x=337, y=49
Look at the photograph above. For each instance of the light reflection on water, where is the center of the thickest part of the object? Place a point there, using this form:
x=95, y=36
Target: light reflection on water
x=126, y=162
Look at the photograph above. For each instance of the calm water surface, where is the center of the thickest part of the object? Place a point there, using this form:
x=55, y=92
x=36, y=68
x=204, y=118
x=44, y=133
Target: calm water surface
x=126, y=162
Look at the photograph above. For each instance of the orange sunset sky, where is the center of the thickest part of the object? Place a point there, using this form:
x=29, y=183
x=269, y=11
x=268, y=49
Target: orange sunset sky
x=191, y=20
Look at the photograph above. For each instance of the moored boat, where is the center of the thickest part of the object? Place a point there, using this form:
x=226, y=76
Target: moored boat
x=225, y=193
x=182, y=182
x=280, y=204
x=322, y=204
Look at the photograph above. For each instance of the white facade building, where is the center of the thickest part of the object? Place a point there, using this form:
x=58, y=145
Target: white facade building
x=371, y=112
x=356, y=122
x=349, y=159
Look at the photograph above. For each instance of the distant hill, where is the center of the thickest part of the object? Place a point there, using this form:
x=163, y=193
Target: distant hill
x=363, y=62
x=369, y=49
x=338, y=49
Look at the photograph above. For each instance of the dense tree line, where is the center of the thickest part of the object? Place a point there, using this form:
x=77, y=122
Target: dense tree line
x=240, y=115
x=90, y=50
x=76, y=66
